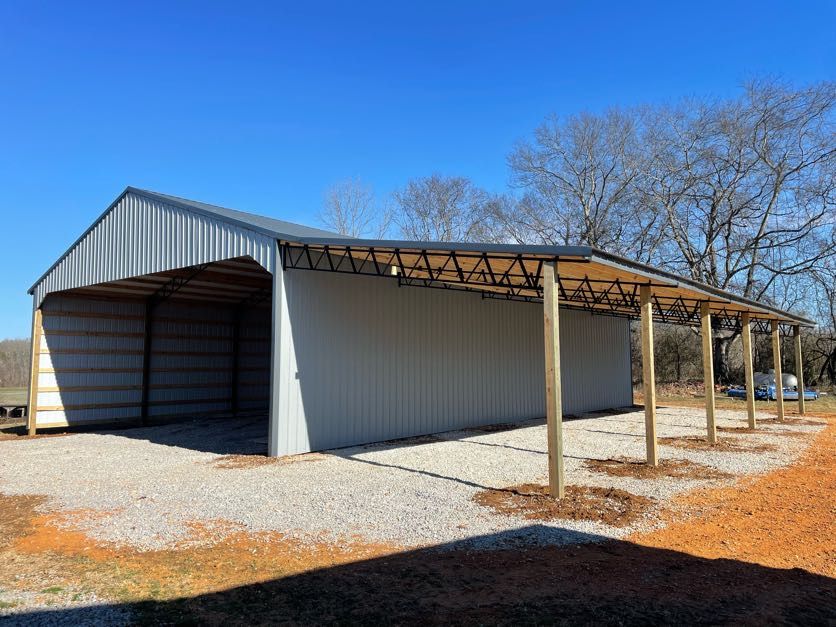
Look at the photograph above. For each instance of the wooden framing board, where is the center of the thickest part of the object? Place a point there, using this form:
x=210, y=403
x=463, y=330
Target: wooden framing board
x=779, y=377
x=34, y=372
x=746, y=334
x=554, y=407
x=799, y=368
x=708, y=370
x=648, y=375
x=154, y=418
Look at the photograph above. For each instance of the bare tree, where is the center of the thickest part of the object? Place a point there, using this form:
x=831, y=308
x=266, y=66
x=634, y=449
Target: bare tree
x=14, y=363
x=821, y=345
x=443, y=209
x=579, y=177
x=746, y=188
x=350, y=208
x=738, y=194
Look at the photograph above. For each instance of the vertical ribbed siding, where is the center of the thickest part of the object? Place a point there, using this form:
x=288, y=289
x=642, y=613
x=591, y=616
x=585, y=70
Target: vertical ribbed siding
x=91, y=343
x=191, y=347
x=141, y=236
x=254, y=359
x=94, y=344
x=368, y=361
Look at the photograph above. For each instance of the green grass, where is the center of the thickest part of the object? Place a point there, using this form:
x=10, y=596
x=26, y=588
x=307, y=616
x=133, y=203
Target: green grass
x=52, y=590
x=825, y=404
x=13, y=396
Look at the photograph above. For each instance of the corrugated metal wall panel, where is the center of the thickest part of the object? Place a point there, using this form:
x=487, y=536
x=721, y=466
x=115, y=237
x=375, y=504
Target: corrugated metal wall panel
x=97, y=343
x=254, y=359
x=91, y=343
x=368, y=361
x=192, y=346
x=142, y=236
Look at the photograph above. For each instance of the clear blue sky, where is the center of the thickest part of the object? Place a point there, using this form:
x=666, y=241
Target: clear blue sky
x=261, y=107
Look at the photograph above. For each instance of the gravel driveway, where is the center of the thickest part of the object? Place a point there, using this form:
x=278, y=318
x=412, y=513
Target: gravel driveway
x=147, y=484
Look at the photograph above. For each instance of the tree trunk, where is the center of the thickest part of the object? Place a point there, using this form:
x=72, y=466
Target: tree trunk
x=721, y=359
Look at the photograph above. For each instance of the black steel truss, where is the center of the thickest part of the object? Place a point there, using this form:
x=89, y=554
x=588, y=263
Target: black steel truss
x=445, y=270
x=174, y=284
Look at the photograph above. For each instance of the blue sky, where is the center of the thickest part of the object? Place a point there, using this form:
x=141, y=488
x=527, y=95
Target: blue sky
x=261, y=106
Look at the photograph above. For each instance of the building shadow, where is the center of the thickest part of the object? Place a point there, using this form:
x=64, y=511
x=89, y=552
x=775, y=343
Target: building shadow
x=606, y=582
x=242, y=435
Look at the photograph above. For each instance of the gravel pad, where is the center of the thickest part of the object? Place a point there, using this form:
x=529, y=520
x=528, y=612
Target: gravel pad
x=151, y=482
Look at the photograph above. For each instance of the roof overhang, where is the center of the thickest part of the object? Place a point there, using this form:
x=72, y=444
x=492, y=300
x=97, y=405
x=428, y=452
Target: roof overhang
x=589, y=279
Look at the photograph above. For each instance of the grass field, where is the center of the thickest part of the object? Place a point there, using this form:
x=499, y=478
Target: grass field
x=12, y=396
x=681, y=396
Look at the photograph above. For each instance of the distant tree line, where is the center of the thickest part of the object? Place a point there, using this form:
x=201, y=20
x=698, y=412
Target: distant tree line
x=14, y=363
x=737, y=193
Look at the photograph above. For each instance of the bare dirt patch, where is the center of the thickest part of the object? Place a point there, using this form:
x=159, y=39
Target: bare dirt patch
x=794, y=421
x=238, y=462
x=16, y=514
x=749, y=430
x=639, y=469
x=611, y=506
x=728, y=445
x=40, y=551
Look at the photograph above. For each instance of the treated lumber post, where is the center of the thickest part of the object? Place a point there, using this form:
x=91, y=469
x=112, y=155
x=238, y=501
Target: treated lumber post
x=146, y=359
x=779, y=378
x=34, y=371
x=648, y=374
x=799, y=367
x=708, y=369
x=554, y=407
x=746, y=332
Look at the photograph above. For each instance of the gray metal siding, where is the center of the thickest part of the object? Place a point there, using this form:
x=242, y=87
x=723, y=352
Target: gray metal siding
x=365, y=360
x=141, y=236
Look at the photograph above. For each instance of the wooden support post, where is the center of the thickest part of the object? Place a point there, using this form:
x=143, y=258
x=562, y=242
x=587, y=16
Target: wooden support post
x=779, y=377
x=146, y=359
x=34, y=371
x=554, y=406
x=236, y=358
x=648, y=375
x=799, y=368
x=708, y=370
x=749, y=371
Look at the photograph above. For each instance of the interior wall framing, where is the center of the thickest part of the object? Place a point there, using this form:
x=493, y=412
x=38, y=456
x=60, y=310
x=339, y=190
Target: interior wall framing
x=91, y=351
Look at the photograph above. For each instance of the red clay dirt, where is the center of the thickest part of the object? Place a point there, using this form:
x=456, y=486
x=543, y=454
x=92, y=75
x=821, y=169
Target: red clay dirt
x=729, y=445
x=610, y=506
x=639, y=469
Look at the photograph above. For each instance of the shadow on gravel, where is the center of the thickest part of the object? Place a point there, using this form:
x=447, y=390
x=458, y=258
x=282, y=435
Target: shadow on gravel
x=224, y=436
x=601, y=582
